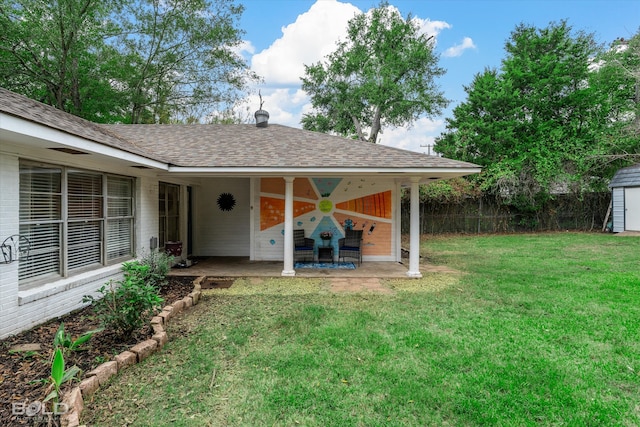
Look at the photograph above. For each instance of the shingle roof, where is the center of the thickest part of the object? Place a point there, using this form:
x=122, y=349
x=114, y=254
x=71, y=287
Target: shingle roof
x=626, y=177
x=276, y=146
x=218, y=146
x=25, y=108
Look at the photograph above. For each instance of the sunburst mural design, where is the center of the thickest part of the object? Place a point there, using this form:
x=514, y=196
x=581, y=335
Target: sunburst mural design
x=328, y=204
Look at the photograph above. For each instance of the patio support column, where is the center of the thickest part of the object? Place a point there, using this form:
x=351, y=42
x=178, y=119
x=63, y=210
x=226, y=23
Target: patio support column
x=414, y=230
x=288, y=227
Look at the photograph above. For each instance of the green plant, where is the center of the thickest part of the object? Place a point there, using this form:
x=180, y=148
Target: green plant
x=59, y=375
x=151, y=268
x=66, y=342
x=124, y=307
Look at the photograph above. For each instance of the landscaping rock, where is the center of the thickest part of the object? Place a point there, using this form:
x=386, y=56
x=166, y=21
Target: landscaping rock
x=25, y=347
x=144, y=349
x=104, y=371
x=157, y=320
x=90, y=385
x=70, y=419
x=125, y=359
x=178, y=306
x=157, y=328
x=75, y=405
x=197, y=282
x=195, y=295
x=166, y=314
x=161, y=338
x=188, y=302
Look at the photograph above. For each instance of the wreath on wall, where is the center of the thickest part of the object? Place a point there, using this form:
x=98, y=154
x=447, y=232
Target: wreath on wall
x=226, y=201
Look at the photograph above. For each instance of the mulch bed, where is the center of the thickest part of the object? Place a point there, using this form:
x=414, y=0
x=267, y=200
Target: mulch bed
x=21, y=372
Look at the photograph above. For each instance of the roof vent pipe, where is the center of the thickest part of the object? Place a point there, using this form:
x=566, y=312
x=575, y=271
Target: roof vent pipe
x=262, y=117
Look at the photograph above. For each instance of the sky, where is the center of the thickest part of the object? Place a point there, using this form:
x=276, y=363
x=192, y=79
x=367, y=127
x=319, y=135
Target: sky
x=281, y=36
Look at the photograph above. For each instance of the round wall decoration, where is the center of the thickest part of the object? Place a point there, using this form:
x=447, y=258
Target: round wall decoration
x=226, y=201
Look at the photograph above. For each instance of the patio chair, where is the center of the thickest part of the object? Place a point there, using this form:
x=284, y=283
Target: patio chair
x=350, y=246
x=302, y=246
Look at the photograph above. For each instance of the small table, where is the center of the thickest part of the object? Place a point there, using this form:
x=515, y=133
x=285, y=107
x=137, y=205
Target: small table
x=325, y=254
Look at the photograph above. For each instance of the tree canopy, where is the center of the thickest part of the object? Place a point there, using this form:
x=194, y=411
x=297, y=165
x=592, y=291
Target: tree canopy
x=541, y=122
x=382, y=75
x=131, y=61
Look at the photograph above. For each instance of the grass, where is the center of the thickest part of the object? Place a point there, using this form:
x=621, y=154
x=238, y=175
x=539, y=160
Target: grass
x=538, y=330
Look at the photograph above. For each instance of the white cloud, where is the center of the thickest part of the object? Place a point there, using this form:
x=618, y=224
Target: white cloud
x=244, y=47
x=309, y=39
x=431, y=28
x=421, y=135
x=457, y=50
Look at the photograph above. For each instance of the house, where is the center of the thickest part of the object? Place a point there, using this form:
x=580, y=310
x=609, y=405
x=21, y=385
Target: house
x=78, y=198
x=625, y=199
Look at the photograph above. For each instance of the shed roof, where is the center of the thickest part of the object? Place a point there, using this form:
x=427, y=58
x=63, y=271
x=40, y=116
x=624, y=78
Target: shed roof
x=626, y=177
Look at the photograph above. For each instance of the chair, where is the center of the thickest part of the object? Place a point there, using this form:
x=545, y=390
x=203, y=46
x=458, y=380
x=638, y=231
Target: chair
x=302, y=246
x=350, y=246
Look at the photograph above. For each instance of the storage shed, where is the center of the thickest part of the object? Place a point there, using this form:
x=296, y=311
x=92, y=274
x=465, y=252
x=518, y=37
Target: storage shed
x=625, y=189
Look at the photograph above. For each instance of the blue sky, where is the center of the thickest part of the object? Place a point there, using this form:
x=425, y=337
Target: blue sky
x=282, y=35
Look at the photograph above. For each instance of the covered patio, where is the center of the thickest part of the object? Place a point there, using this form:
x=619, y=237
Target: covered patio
x=244, y=267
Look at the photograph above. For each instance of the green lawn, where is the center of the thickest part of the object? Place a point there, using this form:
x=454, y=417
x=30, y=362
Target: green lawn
x=537, y=330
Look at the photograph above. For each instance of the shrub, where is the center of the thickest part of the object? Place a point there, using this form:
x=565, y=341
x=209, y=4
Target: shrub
x=128, y=305
x=152, y=268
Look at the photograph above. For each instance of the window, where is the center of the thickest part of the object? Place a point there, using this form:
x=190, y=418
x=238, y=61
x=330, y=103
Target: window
x=119, y=217
x=169, y=212
x=75, y=220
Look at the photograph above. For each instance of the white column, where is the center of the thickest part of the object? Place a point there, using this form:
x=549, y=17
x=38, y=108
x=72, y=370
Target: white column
x=288, y=227
x=414, y=232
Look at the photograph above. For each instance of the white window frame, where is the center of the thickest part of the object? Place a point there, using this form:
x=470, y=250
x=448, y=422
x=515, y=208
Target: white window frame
x=81, y=208
x=168, y=213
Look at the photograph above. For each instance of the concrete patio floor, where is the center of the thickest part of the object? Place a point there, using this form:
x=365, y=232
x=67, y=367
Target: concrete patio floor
x=243, y=267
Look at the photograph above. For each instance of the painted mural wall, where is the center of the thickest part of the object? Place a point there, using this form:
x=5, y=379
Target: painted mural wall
x=329, y=204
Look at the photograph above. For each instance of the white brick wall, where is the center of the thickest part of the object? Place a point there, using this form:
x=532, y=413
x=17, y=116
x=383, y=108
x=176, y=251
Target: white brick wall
x=9, y=225
x=31, y=308
x=23, y=309
x=146, y=212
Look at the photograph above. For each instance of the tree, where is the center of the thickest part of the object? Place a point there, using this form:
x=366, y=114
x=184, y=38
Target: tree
x=383, y=74
x=535, y=123
x=48, y=50
x=180, y=57
x=616, y=75
x=124, y=60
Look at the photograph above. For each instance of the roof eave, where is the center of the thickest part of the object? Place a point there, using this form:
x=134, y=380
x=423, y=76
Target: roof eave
x=406, y=172
x=26, y=132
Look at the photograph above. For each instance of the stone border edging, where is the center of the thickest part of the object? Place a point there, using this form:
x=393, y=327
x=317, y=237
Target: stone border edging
x=136, y=354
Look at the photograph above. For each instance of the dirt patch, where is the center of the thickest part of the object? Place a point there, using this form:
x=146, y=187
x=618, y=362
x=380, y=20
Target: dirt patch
x=22, y=372
x=216, y=283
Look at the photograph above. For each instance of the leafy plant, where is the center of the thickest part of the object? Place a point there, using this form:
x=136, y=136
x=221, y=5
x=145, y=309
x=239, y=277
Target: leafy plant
x=124, y=307
x=59, y=375
x=152, y=268
x=66, y=342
